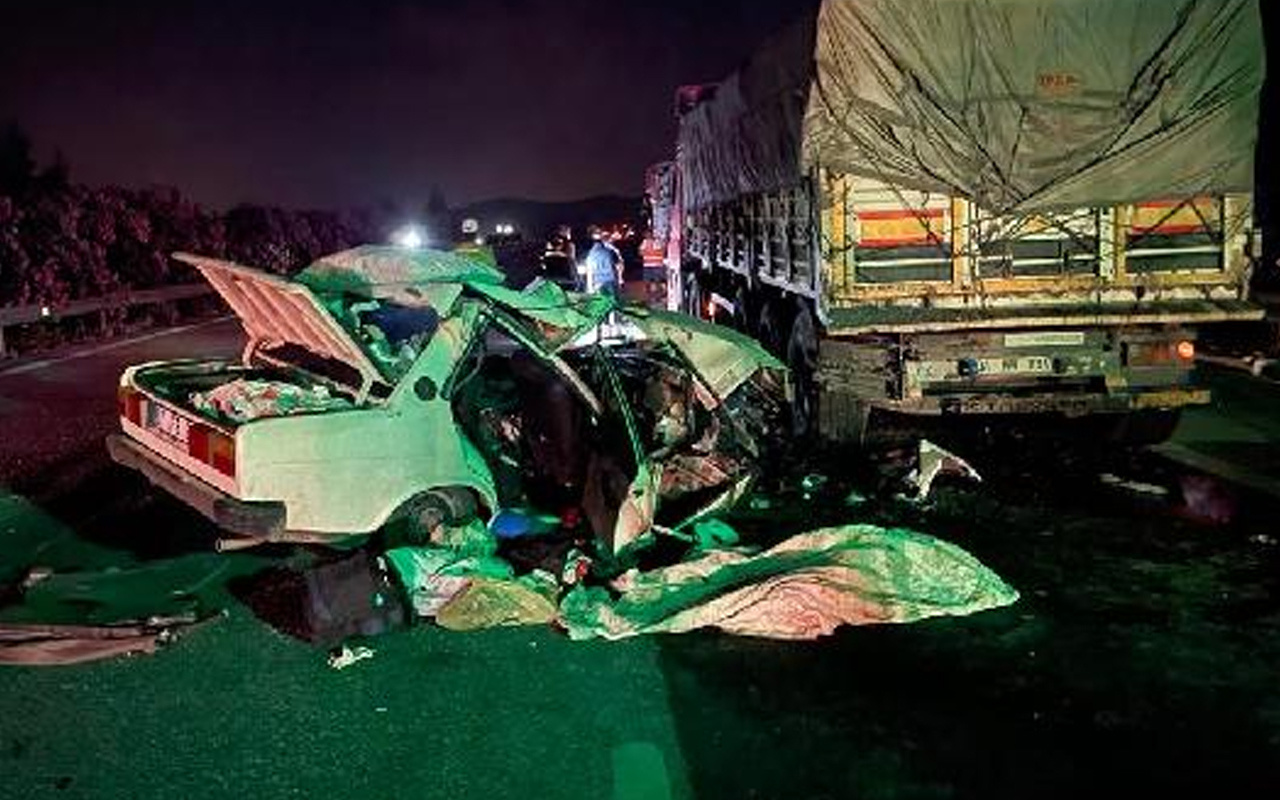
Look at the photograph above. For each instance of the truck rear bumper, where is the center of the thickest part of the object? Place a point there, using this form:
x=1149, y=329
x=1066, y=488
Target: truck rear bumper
x=256, y=520
x=1069, y=404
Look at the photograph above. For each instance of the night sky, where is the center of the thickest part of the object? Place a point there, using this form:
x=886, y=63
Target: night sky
x=339, y=104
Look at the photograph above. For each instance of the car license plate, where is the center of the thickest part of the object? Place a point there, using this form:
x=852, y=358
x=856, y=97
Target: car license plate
x=1034, y=365
x=168, y=423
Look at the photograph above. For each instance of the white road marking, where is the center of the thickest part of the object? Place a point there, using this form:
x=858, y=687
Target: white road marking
x=32, y=366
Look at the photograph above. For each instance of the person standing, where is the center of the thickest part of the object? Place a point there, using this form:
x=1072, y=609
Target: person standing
x=604, y=265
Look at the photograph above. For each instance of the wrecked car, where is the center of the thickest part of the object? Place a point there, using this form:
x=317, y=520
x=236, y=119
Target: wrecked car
x=387, y=389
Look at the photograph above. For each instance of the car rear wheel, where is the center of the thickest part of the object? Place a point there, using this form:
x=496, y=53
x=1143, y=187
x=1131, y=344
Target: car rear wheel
x=420, y=516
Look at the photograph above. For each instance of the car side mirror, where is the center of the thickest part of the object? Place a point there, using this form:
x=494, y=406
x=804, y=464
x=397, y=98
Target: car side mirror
x=425, y=388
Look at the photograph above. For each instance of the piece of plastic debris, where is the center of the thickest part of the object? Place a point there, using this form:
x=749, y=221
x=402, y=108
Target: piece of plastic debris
x=813, y=482
x=36, y=575
x=855, y=498
x=1205, y=499
x=760, y=504
x=347, y=656
x=714, y=533
x=932, y=461
x=492, y=602
x=1138, y=487
x=515, y=523
x=576, y=567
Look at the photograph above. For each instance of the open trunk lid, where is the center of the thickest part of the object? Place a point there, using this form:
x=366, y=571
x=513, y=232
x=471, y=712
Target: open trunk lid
x=276, y=312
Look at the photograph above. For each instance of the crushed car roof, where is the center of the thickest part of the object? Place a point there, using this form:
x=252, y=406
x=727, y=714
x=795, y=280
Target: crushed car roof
x=371, y=270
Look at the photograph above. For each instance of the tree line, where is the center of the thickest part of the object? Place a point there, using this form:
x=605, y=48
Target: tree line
x=60, y=240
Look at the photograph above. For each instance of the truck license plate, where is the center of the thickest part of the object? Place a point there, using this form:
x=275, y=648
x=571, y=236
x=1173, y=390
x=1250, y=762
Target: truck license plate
x=168, y=423
x=1036, y=365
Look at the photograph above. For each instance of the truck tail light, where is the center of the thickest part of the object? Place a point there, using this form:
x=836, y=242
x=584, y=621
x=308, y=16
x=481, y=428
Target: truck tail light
x=1159, y=354
x=130, y=402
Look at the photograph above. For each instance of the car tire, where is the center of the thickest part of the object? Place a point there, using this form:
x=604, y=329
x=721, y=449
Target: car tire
x=451, y=505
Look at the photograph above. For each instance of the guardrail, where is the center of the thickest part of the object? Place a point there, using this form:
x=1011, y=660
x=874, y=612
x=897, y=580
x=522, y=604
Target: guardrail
x=27, y=315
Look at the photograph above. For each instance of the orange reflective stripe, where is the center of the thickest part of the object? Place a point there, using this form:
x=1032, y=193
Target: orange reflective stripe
x=897, y=228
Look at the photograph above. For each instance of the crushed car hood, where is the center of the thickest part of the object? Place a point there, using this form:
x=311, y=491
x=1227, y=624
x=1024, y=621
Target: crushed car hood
x=722, y=357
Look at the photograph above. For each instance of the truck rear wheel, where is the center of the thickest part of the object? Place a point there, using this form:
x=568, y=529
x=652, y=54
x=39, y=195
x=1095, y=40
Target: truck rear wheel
x=769, y=330
x=741, y=320
x=802, y=361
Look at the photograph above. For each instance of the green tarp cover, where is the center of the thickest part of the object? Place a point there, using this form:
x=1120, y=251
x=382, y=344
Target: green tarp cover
x=803, y=588
x=1020, y=105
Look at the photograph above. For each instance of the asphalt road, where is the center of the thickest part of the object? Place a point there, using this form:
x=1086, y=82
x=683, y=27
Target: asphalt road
x=1141, y=659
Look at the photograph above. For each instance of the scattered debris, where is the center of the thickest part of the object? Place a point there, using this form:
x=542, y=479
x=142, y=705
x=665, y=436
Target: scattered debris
x=1263, y=539
x=35, y=575
x=346, y=656
x=932, y=461
x=50, y=645
x=713, y=532
x=491, y=602
x=1137, y=487
x=1206, y=499
x=855, y=498
x=813, y=482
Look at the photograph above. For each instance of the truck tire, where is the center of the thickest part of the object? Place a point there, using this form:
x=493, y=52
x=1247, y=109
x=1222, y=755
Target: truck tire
x=741, y=319
x=802, y=361
x=769, y=330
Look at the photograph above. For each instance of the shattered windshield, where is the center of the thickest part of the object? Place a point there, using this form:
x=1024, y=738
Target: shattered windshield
x=392, y=334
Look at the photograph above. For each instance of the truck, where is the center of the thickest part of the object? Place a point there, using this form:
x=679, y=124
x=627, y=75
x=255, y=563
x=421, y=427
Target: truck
x=975, y=208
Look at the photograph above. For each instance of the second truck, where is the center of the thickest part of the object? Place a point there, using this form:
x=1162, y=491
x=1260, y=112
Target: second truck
x=968, y=207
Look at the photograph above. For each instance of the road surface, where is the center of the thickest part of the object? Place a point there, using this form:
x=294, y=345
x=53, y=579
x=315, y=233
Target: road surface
x=1140, y=660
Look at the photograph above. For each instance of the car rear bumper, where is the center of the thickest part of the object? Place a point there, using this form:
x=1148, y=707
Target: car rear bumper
x=256, y=520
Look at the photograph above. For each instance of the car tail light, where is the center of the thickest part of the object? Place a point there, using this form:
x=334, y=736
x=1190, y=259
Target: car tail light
x=198, y=443
x=212, y=447
x=222, y=453
x=130, y=403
